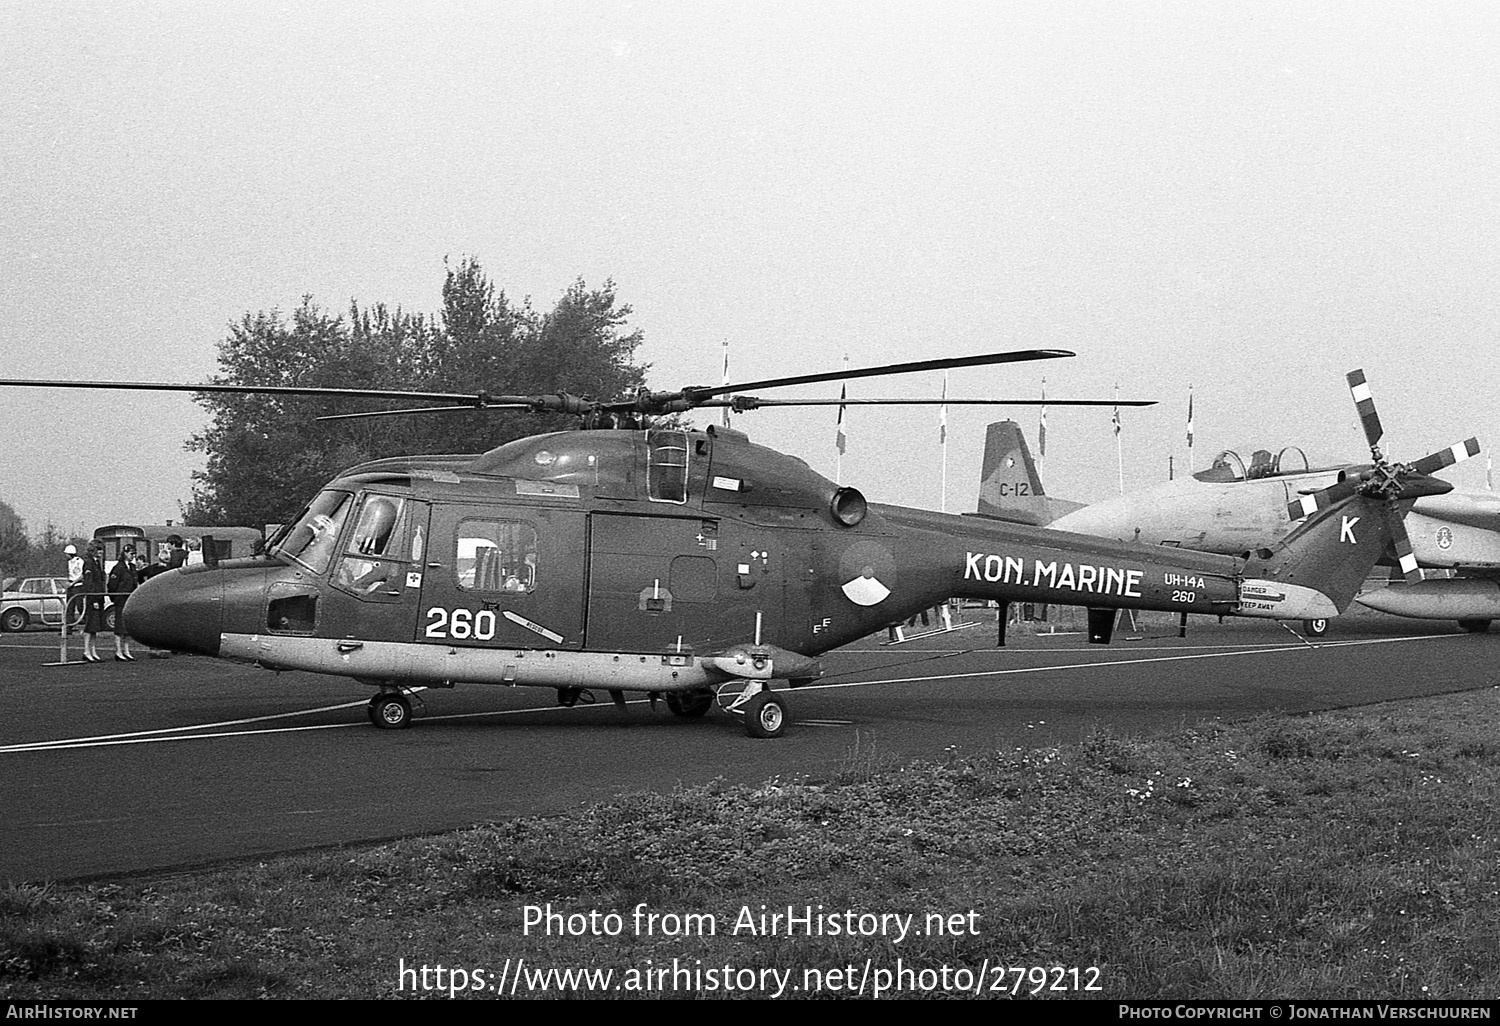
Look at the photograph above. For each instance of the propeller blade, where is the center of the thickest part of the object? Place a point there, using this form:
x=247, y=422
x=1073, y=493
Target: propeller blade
x=1364, y=402
x=1406, y=560
x=697, y=395
x=1314, y=501
x=1447, y=457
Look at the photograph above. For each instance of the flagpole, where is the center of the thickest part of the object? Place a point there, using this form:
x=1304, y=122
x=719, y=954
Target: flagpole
x=1041, y=433
x=943, y=443
x=1190, y=430
x=726, y=378
x=840, y=439
x=1119, y=447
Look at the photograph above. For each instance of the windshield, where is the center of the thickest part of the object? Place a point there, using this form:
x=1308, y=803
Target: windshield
x=311, y=539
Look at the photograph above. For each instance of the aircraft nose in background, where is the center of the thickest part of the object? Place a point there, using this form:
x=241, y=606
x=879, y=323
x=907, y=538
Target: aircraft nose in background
x=178, y=611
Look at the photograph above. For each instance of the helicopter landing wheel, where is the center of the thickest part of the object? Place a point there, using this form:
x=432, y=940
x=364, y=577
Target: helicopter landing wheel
x=690, y=705
x=1314, y=628
x=766, y=715
x=390, y=712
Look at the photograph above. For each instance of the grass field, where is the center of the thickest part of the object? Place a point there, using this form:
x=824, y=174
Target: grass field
x=1341, y=855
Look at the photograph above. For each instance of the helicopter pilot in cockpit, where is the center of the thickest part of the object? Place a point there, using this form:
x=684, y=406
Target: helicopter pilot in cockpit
x=372, y=537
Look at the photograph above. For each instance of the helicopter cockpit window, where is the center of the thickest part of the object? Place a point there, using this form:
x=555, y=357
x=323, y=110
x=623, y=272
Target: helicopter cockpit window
x=312, y=539
x=374, y=556
x=497, y=556
x=667, y=466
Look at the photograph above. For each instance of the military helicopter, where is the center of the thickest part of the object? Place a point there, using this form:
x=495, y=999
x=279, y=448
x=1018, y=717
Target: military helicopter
x=692, y=565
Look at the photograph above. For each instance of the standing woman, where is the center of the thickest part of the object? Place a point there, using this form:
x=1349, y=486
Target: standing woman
x=122, y=581
x=93, y=599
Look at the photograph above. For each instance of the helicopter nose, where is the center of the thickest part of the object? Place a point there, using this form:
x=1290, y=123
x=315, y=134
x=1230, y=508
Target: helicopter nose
x=178, y=611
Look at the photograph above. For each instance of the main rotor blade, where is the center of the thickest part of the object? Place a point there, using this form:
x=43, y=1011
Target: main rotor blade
x=425, y=409
x=1447, y=457
x=1016, y=356
x=750, y=402
x=1364, y=402
x=476, y=399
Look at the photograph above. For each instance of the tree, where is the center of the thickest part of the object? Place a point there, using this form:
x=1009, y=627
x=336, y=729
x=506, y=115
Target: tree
x=15, y=546
x=266, y=456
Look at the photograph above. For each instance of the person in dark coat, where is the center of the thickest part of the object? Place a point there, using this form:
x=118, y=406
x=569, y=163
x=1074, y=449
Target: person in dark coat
x=122, y=581
x=179, y=553
x=94, y=585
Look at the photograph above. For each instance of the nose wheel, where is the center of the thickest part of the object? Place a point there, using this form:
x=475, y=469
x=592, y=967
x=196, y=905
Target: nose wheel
x=390, y=711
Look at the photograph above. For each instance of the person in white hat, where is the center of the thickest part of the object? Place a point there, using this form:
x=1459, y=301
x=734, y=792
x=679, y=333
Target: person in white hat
x=73, y=608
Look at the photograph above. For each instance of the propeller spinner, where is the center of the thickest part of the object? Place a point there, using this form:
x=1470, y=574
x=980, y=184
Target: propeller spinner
x=1393, y=482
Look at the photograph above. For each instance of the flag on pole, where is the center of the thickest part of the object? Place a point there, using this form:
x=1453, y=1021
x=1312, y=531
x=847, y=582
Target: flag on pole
x=726, y=378
x=1041, y=432
x=1190, y=416
x=943, y=414
x=1119, y=446
x=840, y=440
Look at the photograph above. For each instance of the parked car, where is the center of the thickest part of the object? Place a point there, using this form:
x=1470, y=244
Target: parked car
x=35, y=602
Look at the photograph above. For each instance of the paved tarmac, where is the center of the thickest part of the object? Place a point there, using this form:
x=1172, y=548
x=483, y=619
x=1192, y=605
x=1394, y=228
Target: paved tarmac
x=120, y=768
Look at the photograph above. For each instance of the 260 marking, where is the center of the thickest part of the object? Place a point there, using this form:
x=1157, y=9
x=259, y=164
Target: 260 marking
x=461, y=624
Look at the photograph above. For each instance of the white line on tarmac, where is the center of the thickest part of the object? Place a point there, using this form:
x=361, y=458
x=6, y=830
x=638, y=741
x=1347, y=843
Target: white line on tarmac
x=123, y=738
x=208, y=730
x=1118, y=639
x=1124, y=662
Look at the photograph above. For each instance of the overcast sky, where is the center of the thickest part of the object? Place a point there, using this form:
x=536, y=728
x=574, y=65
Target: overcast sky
x=1252, y=198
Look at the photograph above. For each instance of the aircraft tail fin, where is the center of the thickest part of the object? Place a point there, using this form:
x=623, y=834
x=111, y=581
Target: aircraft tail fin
x=1009, y=486
x=1316, y=571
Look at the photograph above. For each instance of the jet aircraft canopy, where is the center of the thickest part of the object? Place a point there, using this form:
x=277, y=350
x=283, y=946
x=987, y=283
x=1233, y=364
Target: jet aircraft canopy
x=1228, y=466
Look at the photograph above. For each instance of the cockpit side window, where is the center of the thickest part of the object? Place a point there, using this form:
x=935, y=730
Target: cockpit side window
x=374, y=561
x=667, y=466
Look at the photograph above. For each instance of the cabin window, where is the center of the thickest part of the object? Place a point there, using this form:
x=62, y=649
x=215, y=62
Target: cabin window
x=497, y=556
x=373, y=563
x=667, y=466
